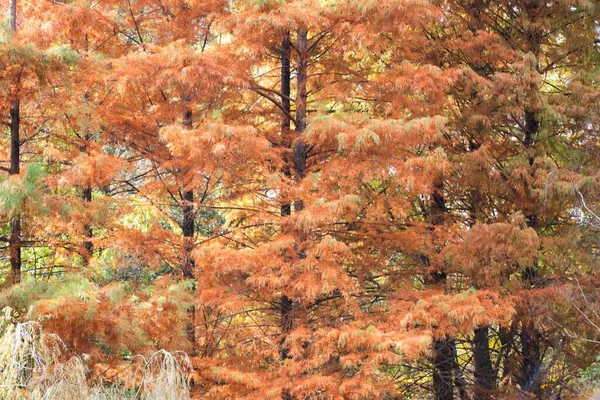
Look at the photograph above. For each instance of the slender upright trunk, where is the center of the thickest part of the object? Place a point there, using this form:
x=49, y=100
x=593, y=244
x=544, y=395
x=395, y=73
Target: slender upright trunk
x=14, y=244
x=286, y=209
x=88, y=247
x=531, y=357
x=529, y=335
x=446, y=370
x=188, y=231
x=302, y=77
x=287, y=323
x=459, y=378
x=13, y=16
x=86, y=196
x=444, y=351
x=187, y=225
x=506, y=336
x=288, y=306
x=286, y=79
x=299, y=151
x=484, y=373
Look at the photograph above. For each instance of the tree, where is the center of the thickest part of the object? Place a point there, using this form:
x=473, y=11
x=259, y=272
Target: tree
x=14, y=243
x=312, y=199
x=513, y=119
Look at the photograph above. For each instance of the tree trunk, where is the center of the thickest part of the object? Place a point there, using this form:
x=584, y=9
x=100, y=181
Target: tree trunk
x=299, y=155
x=302, y=77
x=86, y=195
x=286, y=209
x=286, y=79
x=530, y=343
x=484, y=373
x=506, y=340
x=300, y=152
x=444, y=350
x=187, y=228
x=444, y=354
x=13, y=16
x=15, y=243
x=530, y=349
x=287, y=322
x=188, y=231
x=187, y=197
x=459, y=378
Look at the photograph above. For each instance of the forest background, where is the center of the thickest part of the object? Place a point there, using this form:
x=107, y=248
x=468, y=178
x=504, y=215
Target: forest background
x=300, y=199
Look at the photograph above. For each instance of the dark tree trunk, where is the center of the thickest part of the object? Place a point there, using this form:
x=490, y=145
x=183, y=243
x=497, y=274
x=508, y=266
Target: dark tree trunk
x=530, y=353
x=447, y=372
x=187, y=227
x=298, y=161
x=86, y=195
x=286, y=303
x=286, y=209
x=287, y=322
x=15, y=243
x=445, y=365
x=483, y=371
x=459, y=378
x=438, y=210
x=506, y=336
x=287, y=306
x=286, y=79
x=529, y=335
x=444, y=355
x=15, y=140
x=187, y=208
x=13, y=16
x=485, y=380
x=300, y=151
x=302, y=77
x=188, y=231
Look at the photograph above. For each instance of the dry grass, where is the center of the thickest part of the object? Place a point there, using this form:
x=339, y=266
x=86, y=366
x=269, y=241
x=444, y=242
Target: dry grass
x=164, y=376
x=31, y=368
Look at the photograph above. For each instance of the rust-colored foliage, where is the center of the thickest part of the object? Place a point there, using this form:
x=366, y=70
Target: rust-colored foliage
x=313, y=199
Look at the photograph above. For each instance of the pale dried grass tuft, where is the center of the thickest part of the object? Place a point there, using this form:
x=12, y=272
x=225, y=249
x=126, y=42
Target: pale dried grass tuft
x=31, y=368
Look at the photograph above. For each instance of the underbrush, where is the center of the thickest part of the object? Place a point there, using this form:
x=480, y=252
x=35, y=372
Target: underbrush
x=34, y=365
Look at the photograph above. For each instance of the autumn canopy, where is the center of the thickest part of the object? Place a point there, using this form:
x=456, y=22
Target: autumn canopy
x=300, y=199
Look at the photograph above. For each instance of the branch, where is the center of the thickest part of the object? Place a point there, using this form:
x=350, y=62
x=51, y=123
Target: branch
x=115, y=33
x=274, y=101
x=277, y=92
x=316, y=40
x=137, y=28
